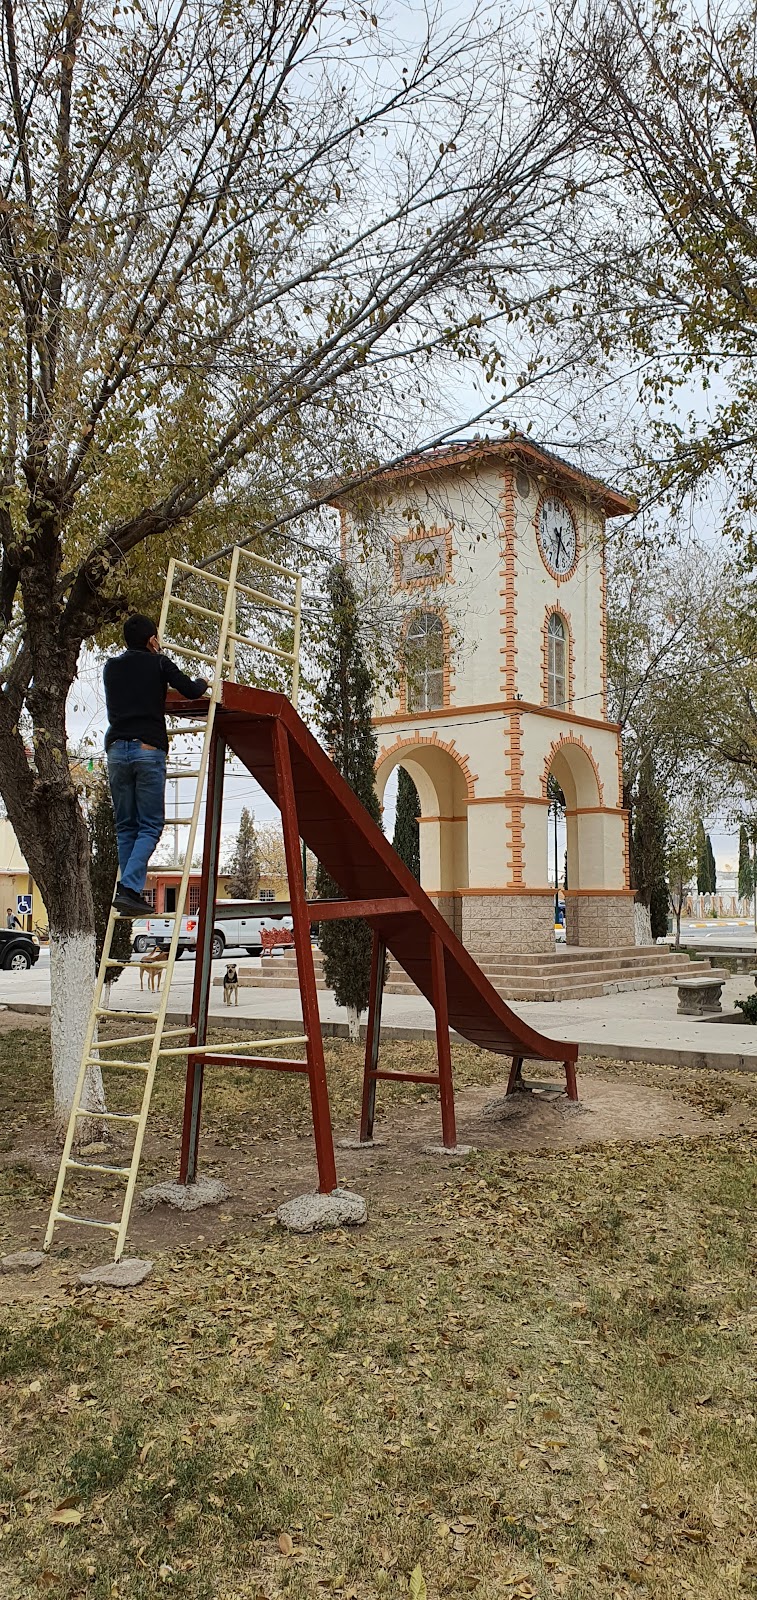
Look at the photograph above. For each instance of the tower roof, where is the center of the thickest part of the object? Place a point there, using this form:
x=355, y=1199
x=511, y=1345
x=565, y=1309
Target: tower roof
x=460, y=455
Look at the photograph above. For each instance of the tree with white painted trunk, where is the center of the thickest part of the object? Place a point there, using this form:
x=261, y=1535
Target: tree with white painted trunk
x=234, y=238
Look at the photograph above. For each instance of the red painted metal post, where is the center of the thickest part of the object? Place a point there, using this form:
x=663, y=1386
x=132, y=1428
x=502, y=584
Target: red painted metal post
x=319, y=1094
x=571, y=1086
x=515, y=1079
x=372, y=1038
x=444, y=1058
x=190, y=1134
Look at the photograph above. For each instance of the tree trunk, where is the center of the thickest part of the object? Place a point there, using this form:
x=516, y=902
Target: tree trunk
x=45, y=814
x=642, y=923
x=353, y=1024
x=678, y=928
x=72, y=965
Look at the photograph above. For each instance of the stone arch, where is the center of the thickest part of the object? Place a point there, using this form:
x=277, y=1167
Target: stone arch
x=445, y=784
x=571, y=758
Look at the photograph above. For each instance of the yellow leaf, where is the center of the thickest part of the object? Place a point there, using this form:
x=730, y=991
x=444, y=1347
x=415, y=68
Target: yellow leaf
x=67, y=1517
x=417, y=1585
x=286, y=1544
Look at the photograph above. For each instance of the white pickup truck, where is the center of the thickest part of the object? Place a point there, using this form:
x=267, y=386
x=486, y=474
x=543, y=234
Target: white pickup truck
x=236, y=924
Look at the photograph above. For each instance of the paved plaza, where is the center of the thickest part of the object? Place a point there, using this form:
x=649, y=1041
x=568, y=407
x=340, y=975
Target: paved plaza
x=634, y=1025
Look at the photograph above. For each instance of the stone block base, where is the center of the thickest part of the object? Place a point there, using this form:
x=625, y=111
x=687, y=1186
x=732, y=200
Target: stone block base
x=498, y=924
x=450, y=907
x=598, y=921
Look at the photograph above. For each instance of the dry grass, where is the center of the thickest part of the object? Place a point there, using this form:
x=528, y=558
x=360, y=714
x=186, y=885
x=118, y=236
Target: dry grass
x=533, y=1380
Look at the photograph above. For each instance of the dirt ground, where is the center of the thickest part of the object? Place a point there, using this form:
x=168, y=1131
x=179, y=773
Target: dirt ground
x=264, y=1162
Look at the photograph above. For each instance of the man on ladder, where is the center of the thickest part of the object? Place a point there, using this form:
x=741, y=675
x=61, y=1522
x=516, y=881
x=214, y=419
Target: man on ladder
x=136, y=745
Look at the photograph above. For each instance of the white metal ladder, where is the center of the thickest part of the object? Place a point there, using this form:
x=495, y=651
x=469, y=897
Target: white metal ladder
x=97, y=1053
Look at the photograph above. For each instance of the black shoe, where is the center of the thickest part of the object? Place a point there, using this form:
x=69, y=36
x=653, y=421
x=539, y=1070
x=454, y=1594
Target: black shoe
x=129, y=903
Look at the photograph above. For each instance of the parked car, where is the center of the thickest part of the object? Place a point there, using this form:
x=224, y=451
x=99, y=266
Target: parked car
x=18, y=951
x=236, y=923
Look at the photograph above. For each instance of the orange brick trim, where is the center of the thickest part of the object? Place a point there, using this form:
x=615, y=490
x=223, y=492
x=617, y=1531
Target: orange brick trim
x=557, y=611
x=508, y=591
x=447, y=668
x=555, y=493
x=561, y=744
x=603, y=621
x=594, y=811
x=599, y=894
x=521, y=889
x=627, y=850
x=504, y=706
x=424, y=581
x=471, y=778
x=514, y=781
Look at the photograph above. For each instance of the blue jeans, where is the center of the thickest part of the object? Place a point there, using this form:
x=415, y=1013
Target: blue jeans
x=138, y=786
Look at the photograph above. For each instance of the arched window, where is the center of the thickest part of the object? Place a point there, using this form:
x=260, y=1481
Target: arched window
x=424, y=662
x=557, y=663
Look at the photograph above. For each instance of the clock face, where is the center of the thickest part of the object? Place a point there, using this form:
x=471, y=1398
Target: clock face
x=556, y=534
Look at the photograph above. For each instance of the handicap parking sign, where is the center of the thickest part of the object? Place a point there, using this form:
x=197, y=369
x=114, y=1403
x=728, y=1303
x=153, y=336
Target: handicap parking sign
x=24, y=905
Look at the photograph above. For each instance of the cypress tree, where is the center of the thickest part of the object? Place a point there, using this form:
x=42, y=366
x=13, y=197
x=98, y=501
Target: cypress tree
x=244, y=866
x=406, y=839
x=103, y=870
x=649, y=845
x=746, y=881
x=712, y=876
x=345, y=703
x=703, y=866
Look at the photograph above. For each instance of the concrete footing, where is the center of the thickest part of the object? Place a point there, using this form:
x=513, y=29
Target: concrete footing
x=124, y=1274
x=309, y=1213
x=22, y=1261
x=448, y=1150
x=360, y=1144
x=185, y=1196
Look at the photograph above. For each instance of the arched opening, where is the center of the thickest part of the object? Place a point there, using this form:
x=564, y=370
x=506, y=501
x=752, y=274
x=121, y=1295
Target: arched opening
x=443, y=822
x=575, y=832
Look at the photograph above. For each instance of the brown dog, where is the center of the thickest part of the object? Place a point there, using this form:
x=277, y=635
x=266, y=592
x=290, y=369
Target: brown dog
x=230, y=985
x=152, y=964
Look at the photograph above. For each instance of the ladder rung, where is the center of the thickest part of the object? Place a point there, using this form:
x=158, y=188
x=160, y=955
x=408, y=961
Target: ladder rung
x=178, y=822
x=209, y=577
x=107, y=1061
x=183, y=773
x=86, y=1222
x=109, y=1116
x=189, y=605
x=197, y=655
x=112, y=962
x=239, y=1044
x=106, y=1011
x=255, y=594
x=256, y=644
x=178, y=733
x=273, y=566
x=141, y=1038
x=97, y=1166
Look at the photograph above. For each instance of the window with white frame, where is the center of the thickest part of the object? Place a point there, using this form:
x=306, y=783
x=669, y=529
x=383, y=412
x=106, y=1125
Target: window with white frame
x=557, y=663
x=424, y=662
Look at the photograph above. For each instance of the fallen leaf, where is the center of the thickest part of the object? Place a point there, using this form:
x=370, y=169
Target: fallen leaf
x=67, y=1517
x=286, y=1544
x=417, y=1584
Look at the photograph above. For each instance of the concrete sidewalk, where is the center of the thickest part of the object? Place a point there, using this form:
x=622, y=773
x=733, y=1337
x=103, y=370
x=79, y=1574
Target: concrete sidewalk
x=631, y=1026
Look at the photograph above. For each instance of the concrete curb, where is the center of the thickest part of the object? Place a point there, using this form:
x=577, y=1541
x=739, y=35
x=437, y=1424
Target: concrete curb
x=602, y=1049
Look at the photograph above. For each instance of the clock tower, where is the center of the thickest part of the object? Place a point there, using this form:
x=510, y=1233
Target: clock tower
x=490, y=557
